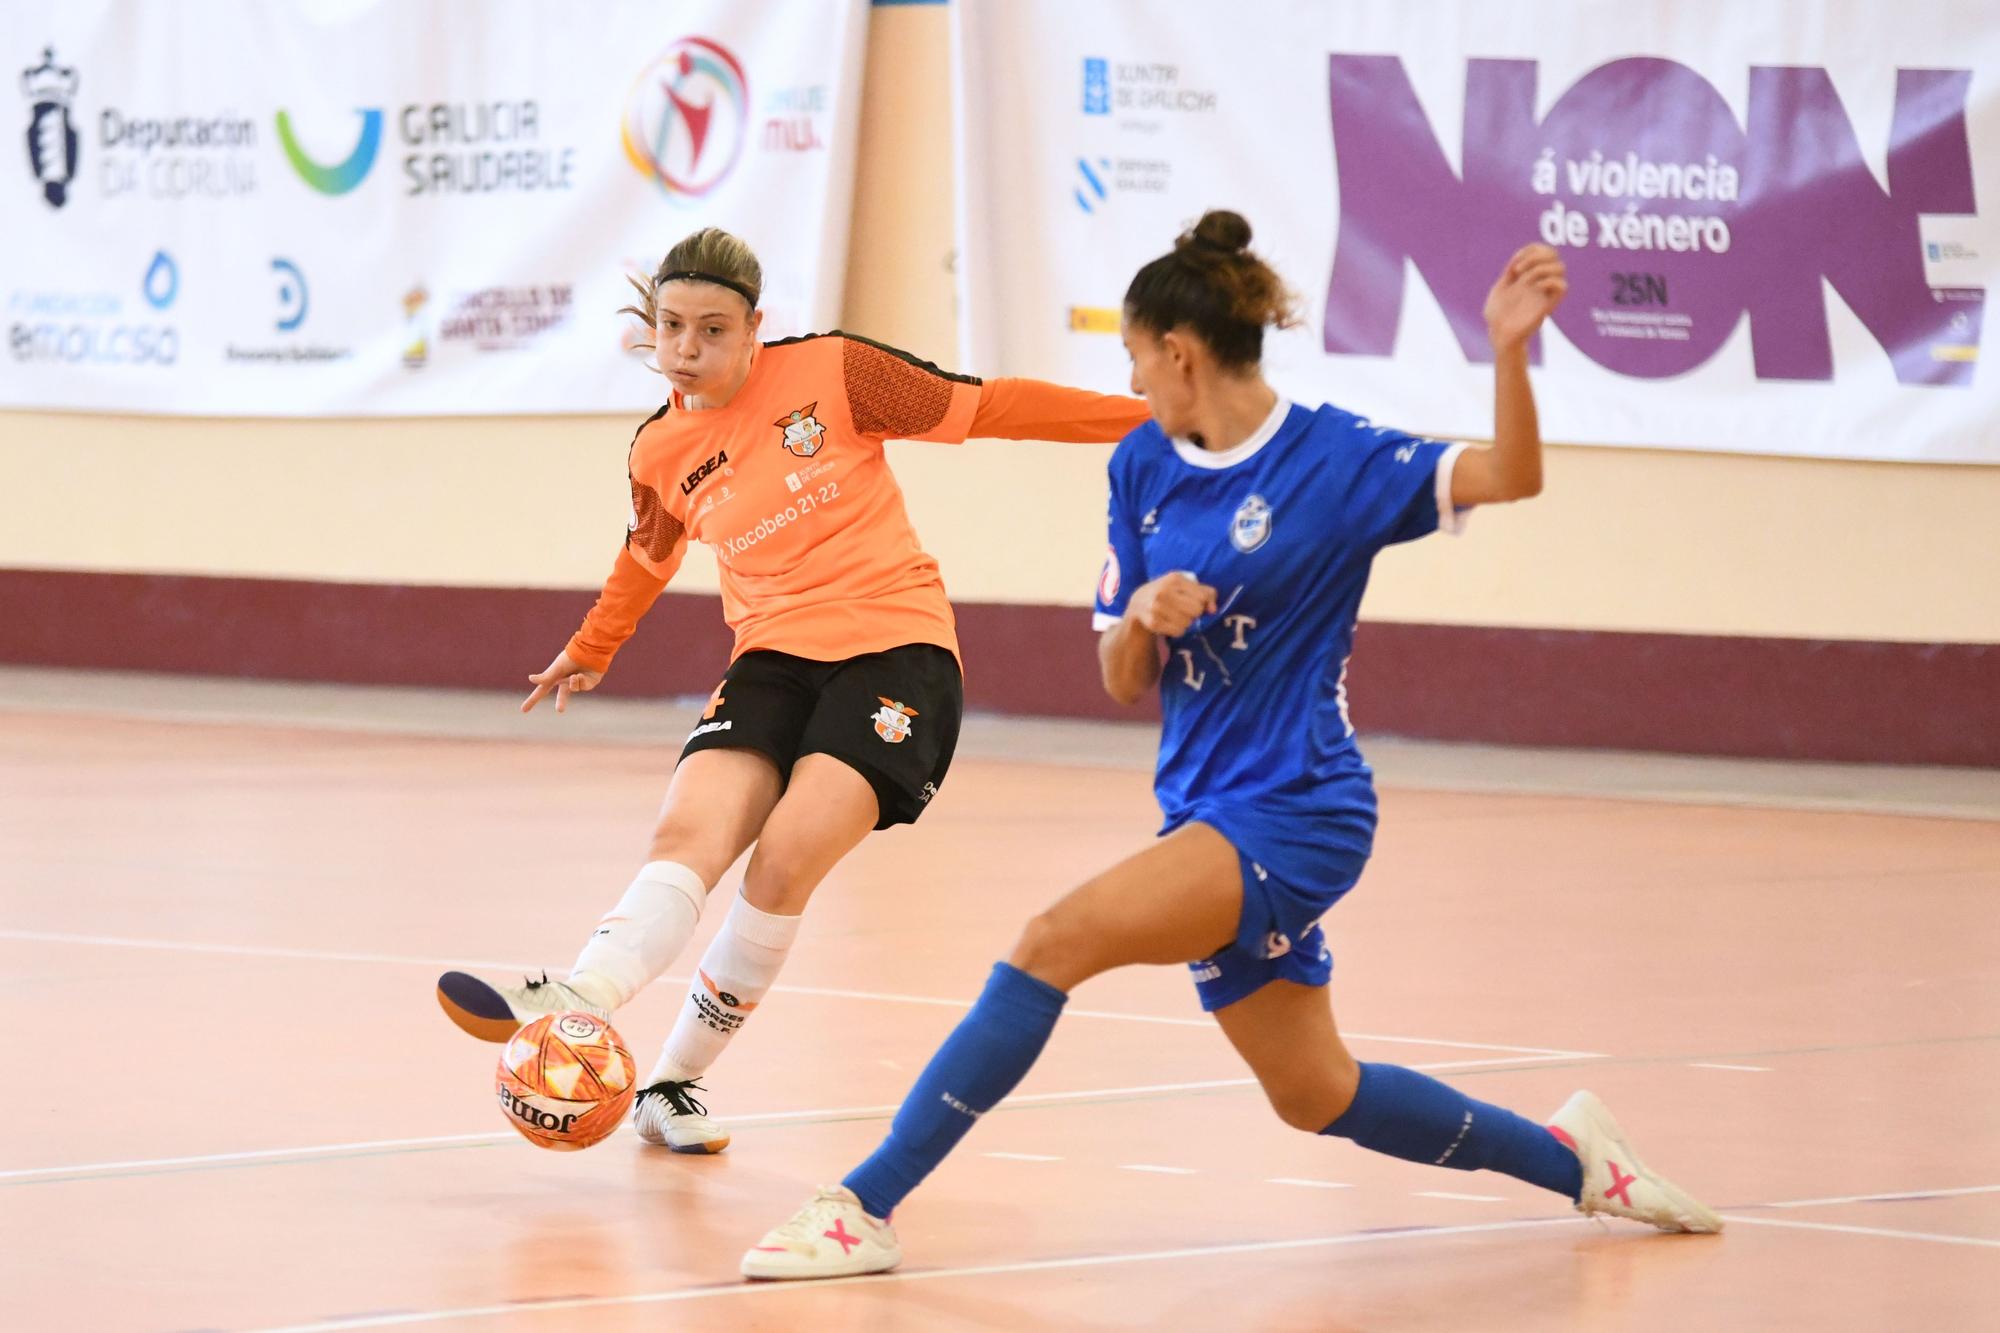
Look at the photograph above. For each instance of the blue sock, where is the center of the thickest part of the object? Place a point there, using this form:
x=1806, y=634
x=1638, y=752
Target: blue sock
x=989, y=1052
x=1413, y=1116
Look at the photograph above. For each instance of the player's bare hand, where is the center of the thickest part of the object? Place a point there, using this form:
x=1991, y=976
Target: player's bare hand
x=1531, y=286
x=563, y=677
x=1170, y=603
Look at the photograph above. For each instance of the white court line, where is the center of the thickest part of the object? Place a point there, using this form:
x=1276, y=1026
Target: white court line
x=1159, y=1170
x=88, y=1170
x=261, y=1154
x=1021, y=1156
x=758, y=1289
x=750, y=1121
x=1459, y=1198
x=1309, y=1184
x=755, y=1289
x=331, y=956
x=1934, y=1237
x=1740, y=1069
x=1897, y=1197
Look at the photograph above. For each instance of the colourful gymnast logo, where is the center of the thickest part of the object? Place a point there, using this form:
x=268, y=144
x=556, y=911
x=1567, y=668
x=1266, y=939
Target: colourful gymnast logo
x=344, y=176
x=687, y=117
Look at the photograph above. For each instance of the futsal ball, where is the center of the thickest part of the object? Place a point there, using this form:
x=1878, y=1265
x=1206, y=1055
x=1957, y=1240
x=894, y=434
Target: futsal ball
x=565, y=1081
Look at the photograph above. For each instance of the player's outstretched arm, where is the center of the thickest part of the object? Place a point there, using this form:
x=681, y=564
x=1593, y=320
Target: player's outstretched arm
x=1530, y=287
x=1021, y=409
x=1128, y=653
x=628, y=594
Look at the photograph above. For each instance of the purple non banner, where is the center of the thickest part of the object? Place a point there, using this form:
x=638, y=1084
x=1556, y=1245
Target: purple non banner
x=1675, y=219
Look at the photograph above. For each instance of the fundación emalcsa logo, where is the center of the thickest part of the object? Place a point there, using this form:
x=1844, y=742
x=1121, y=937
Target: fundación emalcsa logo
x=162, y=282
x=49, y=88
x=687, y=116
x=343, y=176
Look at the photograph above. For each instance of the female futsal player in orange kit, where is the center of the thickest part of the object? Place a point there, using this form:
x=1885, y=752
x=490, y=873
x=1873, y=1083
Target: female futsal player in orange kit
x=841, y=707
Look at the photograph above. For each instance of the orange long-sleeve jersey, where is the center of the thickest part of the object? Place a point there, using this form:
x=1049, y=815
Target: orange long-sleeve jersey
x=788, y=483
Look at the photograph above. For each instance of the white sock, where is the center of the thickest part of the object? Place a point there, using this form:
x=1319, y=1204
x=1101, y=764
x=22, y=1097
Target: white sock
x=640, y=937
x=739, y=967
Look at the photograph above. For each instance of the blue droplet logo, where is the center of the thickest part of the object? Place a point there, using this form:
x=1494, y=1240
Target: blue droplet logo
x=163, y=281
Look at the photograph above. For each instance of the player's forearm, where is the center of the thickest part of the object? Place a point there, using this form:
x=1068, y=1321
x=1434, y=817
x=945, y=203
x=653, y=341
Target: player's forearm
x=1515, y=461
x=1129, y=657
x=628, y=594
x=1022, y=409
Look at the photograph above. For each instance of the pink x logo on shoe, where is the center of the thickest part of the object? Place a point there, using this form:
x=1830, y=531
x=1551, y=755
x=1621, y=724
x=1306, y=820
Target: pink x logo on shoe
x=1620, y=1182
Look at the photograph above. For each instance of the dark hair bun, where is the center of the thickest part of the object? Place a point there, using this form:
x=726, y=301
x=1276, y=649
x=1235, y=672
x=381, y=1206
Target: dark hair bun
x=1219, y=229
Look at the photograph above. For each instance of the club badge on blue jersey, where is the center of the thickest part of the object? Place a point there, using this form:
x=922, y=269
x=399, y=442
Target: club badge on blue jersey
x=1250, y=528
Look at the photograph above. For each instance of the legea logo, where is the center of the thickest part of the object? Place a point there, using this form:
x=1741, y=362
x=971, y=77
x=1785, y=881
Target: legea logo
x=344, y=176
x=687, y=117
x=1676, y=220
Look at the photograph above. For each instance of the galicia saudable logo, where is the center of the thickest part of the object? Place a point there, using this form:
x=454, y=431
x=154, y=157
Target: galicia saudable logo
x=51, y=138
x=346, y=175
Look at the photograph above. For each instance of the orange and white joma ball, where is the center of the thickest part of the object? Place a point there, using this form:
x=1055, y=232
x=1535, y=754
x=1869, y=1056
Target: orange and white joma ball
x=565, y=1081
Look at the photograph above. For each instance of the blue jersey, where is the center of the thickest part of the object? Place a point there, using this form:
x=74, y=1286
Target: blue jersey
x=1255, y=737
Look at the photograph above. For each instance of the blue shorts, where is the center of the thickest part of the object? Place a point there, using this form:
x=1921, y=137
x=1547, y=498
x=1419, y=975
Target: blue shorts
x=1278, y=934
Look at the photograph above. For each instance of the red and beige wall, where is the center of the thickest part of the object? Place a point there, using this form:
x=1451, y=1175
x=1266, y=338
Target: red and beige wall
x=1656, y=600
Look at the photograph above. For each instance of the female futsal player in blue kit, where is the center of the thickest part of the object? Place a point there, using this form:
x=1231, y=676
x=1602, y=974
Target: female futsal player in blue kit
x=1242, y=531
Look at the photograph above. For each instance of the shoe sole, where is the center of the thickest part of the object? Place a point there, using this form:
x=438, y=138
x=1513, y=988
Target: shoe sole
x=712, y=1146
x=808, y=1275
x=702, y=1149
x=477, y=1009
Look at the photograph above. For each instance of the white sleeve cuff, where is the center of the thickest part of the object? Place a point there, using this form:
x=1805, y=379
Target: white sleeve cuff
x=1101, y=622
x=1451, y=519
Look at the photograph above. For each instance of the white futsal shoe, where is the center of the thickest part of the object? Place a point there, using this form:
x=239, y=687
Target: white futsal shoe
x=1615, y=1181
x=496, y=1013
x=667, y=1116
x=832, y=1236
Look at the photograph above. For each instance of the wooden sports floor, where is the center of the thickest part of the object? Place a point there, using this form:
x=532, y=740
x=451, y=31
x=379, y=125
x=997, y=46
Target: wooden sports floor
x=231, y=1101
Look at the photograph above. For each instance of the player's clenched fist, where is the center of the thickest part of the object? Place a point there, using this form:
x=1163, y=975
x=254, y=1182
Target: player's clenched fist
x=1170, y=603
x=1529, y=288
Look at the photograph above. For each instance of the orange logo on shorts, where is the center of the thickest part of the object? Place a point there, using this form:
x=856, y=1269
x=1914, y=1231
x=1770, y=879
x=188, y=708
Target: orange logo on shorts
x=715, y=701
x=892, y=721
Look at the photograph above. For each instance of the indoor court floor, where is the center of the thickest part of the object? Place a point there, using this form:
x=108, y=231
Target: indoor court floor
x=233, y=1102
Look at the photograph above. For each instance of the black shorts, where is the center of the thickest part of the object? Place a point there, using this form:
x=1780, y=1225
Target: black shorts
x=891, y=716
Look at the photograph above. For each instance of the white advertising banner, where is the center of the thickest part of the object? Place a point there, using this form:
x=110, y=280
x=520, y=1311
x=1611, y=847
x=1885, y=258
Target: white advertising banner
x=1772, y=213
x=402, y=207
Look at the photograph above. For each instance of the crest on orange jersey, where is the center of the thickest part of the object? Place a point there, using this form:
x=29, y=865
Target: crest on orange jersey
x=803, y=434
x=892, y=721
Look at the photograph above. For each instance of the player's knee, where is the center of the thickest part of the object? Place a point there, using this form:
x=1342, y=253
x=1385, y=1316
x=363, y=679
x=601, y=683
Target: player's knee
x=781, y=876
x=700, y=849
x=1303, y=1109
x=1314, y=1101
x=1052, y=949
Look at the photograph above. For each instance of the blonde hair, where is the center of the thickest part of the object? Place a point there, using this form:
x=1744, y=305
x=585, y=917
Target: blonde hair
x=709, y=255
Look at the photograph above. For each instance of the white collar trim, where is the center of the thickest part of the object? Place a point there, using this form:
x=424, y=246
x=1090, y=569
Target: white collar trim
x=1195, y=456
